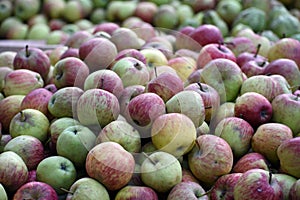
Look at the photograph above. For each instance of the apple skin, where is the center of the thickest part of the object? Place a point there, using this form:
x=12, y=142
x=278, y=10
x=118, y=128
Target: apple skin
x=70, y=71
x=254, y=108
x=130, y=53
x=206, y=34
x=237, y=132
x=125, y=38
x=3, y=193
x=254, y=67
x=74, y=143
x=9, y=106
x=70, y=52
x=35, y=190
x=187, y=190
x=29, y=148
x=161, y=171
x=4, y=140
x=53, y=9
x=173, y=133
x=7, y=59
x=136, y=192
x=257, y=184
x=287, y=153
x=87, y=188
x=252, y=160
x=220, y=161
x=224, y=186
x=79, y=37
x=13, y=171
x=294, y=193
x=97, y=107
x=21, y=82
x=286, y=182
x=97, y=53
x=3, y=72
x=268, y=137
x=183, y=65
x=108, y=27
x=146, y=11
x=113, y=158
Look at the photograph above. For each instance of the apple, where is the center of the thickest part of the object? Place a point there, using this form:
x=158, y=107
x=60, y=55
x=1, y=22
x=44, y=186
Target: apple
x=254, y=67
x=125, y=38
x=21, y=82
x=257, y=183
x=199, y=5
x=97, y=53
x=268, y=137
x=294, y=191
x=3, y=193
x=73, y=11
x=13, y=171
x=224, y=110
x=165, y=17
x=115, y=14
x=283, y=87
x=6, y=9
x=131, y=71
x=87, y=188
x=9, y=106
x=161, y=171
x=229, y=10
x=7, y=59
x=224, y=186
x=123, y=133
x=110, y=158
x=287, y=153
x=97, y=107
x=30, y=122
x=154, y=57
x=254, y=108
x=184, y=41
x=4, y=140
x=107, y=27
x=70, y=71
x=246, y=56
x=206, y=34
x=3, y=72
x=29, y=148
x=183, y=66
x=225, y=76
x=240, y=45
x=31, y=175
x=130, y=53
x=146, y=11
x=53, y=9
x=26, y=9
x=35, y=190
x=188, y=190
x=189, y=103
x=251, y=160
x=142, y=192
x=286, y=182
x=39, y=31
x=285, y=108
x=210, y=158
x=79, y=37
x=237, y=133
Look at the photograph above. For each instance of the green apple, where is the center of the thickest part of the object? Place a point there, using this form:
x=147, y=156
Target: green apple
x=6, y=7
x=285, y=25
x=229, y=10
x=7, y=59
x=38, y=32
x=63, y=173
x=25, y=9
x=114, y=13
x=166, y=17
x=88, y=189
x=30, y=122
x=161, y=171
x=154, y=57
x=212, y=17
x=74, y=143
x=3, y=194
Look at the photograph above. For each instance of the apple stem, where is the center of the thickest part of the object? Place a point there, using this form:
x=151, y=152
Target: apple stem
x=200, y=86
x=257, y=50
x=27, y=50
x=270, y=177
x=68, y=191
x=205, y=193
x=147, y=156
x=155, y=72
x=22, y=117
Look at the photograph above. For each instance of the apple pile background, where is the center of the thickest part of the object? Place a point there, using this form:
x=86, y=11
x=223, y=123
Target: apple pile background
x=158, y=99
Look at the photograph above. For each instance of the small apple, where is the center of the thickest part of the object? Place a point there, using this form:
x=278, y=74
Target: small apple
x=141, y=192
x=26, y=9
x=249, y=161
x=187, y=190
x=206, y=34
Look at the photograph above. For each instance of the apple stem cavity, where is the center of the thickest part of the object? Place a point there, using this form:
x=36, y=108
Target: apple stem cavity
x=27, y=51
x=22, y=117
x=257, y=50
x=137, y=66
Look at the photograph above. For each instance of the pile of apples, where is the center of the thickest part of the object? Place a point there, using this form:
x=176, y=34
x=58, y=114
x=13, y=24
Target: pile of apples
x=151, y=100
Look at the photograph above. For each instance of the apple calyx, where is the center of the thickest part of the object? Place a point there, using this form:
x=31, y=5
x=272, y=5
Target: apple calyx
x=63, y=166
x=137, y=66
x=257, y=50
x=27, y=54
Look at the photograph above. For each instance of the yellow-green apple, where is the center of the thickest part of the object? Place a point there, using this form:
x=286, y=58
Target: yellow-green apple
x=104, y=79
x=187, y=190
x=97, y=16
x=287, y=153
x=285, y=48
x=6, y=9
x=225, y=76
x=73, y=11
x=286, y=182
x=223, y=187
x=224, y=110
x=53, y=9
x=9, y=107
x=74, y=143
x=70, y=71
x=183, y=66
x=35, y=190
x=13, y=171
x=132, y=191
x=213, y=51
x=97, y=53
x=131, y=71
x=125, y=38
x=210, y=158
x=30, y=122
x=8, y=25
x=110, y=158
x=161, y=171
x=154, y=57
x=97, y=107
x=257, y=184
x=3, y=72
x=165, y=85
x=189, y=103
x=75, y=40
x=39, y=31
x=3, y=193
x=87, y=188
x=285, y=111
x=268, y=137
x=123, y=133
x=161, y=69
x=294, y=193
x=37, y=99
x=115, y=14
x=26, y=9
x=287, y=68
x=237, y=133
x=203, y=129
x=55, y=54
x=63, y=102
x=206, y=34
x=7, y=59
x=254, y=108
x=107, y=27
x=21, y=82
x=166, y=49
x=174, y=133
x=229, y=10
x=210, y=96
x=252, y=160
x=63, y=173
x=166, y=17
x=29, y=148
x=145, y=11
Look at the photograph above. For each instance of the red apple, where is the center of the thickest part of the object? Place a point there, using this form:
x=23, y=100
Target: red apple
x=206, y=34
x=249, y=161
